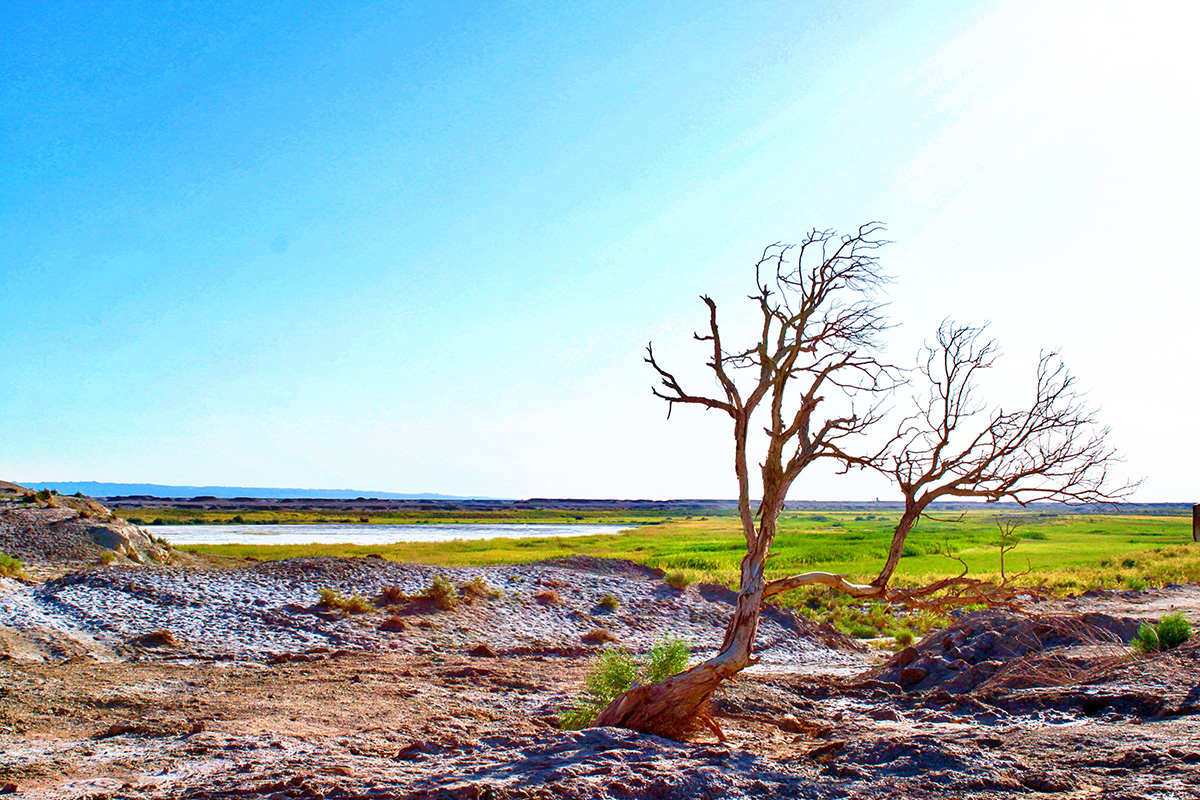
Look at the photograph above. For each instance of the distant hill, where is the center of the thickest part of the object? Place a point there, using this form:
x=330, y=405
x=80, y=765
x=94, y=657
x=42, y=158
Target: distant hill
x=96, y=489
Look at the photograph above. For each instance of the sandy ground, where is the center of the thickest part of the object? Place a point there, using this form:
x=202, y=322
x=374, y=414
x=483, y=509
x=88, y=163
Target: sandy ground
x=148, y=682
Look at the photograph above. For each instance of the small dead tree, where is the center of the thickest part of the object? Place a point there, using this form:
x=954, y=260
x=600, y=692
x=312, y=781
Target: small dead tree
x=1008, y=541
x=820, y=322
x=1053, y=449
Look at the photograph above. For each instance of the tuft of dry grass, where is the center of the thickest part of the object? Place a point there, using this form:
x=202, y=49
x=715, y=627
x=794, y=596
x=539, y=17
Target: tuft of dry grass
x=677, y=580
x=477, y=587
x=548, y=597
x=393, y=595
x=601, y=636
x=610, y=602
x=335, y=600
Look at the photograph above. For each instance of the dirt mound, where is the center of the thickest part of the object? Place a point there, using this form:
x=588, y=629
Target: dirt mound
x=55, y=534
x=992, y=647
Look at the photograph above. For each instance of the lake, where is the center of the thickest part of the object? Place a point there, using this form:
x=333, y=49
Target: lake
x=180, y=535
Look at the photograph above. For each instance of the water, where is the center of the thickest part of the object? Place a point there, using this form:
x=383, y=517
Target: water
x=180, y=535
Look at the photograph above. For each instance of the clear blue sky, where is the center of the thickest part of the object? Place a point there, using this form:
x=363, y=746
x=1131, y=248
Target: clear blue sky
x=421, y=246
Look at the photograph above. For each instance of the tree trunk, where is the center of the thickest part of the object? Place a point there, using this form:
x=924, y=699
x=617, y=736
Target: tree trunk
x=908, y=520
x=675, y=705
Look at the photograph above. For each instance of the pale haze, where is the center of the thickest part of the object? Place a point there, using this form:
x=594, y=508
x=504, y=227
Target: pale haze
x=418, y=247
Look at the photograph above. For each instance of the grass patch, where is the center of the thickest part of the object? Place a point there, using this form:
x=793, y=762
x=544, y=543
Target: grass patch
x=617, y=670
x=11, y=567
x=477, y=587
x=1170, y=632
x=609, y=602
x=336, y=601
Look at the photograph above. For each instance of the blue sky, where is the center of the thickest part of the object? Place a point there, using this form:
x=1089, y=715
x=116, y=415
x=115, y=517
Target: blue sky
x=421, y=247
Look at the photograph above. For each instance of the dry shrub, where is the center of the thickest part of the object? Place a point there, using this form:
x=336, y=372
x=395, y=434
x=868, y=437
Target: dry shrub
x=549, y=597
x=677, y=580
x=335, y=600
x=393, y=595
x=394, y=624
x=600, y=636
x=478, y=587
x=441, y=593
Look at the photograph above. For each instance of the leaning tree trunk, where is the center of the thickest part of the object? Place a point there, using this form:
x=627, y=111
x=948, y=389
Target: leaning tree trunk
x=676, y=704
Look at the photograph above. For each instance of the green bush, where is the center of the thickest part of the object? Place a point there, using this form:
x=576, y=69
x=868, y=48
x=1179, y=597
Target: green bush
x=860, y=630
x=904, y=637
x=354, y=604
x=618, y=670
x=1173, y=630
x=1170, y=632
x=11, y=567
x=610, y=602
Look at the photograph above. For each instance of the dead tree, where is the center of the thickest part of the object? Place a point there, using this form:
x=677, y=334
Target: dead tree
x=1053, y=449
x=820, y=323
x=820, y=320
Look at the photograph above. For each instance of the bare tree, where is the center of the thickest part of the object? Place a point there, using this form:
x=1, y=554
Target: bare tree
x=819, y=323
x=1008, y=541
x=821, y=319
x=1053, y=449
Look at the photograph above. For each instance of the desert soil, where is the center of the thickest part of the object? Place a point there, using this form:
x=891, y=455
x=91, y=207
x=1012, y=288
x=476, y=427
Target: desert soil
x=183, y=682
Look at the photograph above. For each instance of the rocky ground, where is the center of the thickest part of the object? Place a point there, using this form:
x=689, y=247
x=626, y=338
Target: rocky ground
x=147, y=681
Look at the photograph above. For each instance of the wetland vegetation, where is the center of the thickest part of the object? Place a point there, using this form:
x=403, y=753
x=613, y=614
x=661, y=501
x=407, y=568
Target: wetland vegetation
x=1065, y=553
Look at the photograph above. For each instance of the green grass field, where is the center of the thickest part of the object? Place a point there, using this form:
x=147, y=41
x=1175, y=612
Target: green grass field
x=1070, y=553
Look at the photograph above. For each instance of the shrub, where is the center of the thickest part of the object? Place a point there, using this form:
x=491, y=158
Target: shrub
x=1170, y=632
x=11, y=567
x=478, y=587
x=861, y=630
x=610, y=601
x=108, y=558
x=1173, y=630
x=677, y=580
x=904, y=637
x=442, y=593
x=600, y=636
x=357, y=604
x=354, y=604
x=390, y=595
x=617, y=670
x=330, y=598
x=549, y=597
